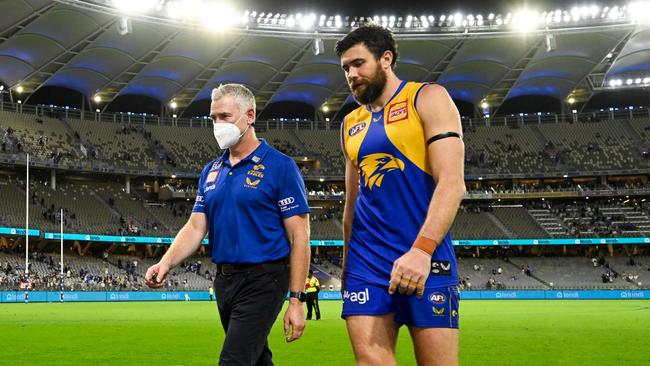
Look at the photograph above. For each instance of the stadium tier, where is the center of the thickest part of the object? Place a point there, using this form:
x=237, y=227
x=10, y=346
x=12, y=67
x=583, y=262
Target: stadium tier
x=607, y=146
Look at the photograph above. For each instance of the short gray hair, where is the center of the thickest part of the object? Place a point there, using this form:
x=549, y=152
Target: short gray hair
x=243, y=96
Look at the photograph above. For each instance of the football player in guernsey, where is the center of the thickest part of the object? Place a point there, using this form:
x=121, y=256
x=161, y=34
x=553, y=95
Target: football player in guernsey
x=404, y=183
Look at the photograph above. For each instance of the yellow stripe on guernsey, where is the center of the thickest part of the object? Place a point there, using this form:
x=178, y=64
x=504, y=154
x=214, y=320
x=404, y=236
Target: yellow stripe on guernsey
x=403, y=129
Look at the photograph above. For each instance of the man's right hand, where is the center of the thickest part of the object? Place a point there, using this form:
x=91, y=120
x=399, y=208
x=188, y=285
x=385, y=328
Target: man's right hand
x=156, y=274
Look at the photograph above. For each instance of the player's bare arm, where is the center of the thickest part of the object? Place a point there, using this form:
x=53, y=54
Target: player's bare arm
x=439, y=116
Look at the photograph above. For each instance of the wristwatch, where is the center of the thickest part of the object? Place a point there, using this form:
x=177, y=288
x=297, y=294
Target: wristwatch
x=301, y=296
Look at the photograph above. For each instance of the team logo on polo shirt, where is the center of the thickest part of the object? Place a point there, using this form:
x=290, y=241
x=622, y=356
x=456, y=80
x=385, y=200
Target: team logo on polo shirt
x=254, y=176
x=252, y=183
x=397, y=112
x=216, y=165
x=438, y=311
x=212, y=176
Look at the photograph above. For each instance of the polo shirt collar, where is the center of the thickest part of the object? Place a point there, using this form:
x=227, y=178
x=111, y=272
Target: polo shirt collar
x=256, y=156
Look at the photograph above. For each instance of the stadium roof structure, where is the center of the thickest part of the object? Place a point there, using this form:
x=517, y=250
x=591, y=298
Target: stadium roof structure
x=104, y=54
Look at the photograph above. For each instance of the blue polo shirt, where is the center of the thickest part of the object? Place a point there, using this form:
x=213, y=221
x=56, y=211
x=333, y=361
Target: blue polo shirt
x=246, y=204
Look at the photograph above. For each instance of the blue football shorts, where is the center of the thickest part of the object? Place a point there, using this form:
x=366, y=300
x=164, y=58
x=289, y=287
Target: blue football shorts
x=438, y=308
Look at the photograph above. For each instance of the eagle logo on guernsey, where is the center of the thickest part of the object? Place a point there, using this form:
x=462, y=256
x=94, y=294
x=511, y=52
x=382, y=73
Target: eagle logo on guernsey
x=375, y=166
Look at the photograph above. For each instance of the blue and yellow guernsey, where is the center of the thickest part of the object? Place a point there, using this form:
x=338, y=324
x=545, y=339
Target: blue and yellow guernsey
x=395, y=187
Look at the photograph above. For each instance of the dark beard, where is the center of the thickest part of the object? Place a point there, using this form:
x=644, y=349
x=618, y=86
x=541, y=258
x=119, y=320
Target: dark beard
x=373, y=88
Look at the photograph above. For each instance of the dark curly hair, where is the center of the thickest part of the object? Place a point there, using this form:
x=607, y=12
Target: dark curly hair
x=376, y=38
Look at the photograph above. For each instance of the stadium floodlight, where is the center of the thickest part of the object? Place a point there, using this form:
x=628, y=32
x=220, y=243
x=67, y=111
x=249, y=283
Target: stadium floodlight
x=291, y=21
x=337, y=21
x=325, y=108
x=216, y=16
x=485, y=105
x=571, y=100
x=639, y=11
x=97, y=99
x=97, y=110
x=525, y=20
x=135, y=7
x=307, y=22
x=458, y=19
x=629, y=81
x=173, y=105
x=575, y=14
x=174, y=116
x=2, y=87
x=19, y=89
x=20, y=101
x=491, y=17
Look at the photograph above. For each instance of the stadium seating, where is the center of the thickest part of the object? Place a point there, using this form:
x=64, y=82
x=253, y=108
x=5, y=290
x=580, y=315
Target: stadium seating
x=570, y=273
x=518, y=221
x=478, y=273
x=498, y=149
x=44, y=137
x=118, y=144
x=475, y=226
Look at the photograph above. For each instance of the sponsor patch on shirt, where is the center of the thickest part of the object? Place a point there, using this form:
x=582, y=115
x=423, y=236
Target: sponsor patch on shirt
x=212, y=176
x=398, y=112
x=287, y=204
x=440, y=268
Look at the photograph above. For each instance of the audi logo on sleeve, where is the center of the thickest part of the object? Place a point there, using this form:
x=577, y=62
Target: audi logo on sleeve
x=286, y=201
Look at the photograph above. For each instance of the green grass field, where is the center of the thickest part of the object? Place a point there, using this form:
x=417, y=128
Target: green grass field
x=177, y=333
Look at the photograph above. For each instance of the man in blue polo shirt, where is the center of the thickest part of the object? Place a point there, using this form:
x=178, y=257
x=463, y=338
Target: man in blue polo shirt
x=252, y=204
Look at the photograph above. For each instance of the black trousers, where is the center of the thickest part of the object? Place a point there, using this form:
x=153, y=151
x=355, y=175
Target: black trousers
x=312, y=303
x=249, y=302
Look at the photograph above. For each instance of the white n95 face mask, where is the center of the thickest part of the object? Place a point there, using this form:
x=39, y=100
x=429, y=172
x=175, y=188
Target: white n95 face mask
x=227, y=134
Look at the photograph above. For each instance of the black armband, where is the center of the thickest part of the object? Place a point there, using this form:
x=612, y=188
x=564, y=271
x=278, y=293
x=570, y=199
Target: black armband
x=441, y=136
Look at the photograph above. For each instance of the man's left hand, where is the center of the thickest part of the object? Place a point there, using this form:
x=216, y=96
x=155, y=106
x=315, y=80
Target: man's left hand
x=410, y=273
x=294, y=320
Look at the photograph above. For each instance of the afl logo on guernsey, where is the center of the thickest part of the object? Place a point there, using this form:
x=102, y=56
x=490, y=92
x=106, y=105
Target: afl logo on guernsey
x=356, y=129
x=397, y=112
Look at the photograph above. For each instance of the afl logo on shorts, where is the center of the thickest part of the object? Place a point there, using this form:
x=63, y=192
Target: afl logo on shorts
x=437, y=298
x=356, y=129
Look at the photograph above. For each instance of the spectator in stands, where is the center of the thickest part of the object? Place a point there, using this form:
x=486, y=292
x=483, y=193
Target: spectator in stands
x=262, y=189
